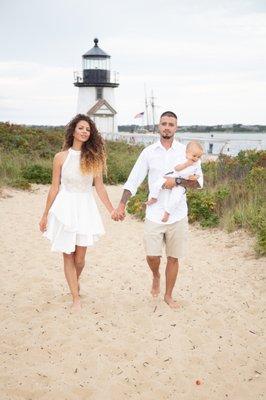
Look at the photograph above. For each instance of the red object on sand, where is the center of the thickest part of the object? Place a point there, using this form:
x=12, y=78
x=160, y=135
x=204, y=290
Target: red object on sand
x=198, y=382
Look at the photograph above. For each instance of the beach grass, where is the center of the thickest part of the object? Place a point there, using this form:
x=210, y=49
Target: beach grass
x=26, y=156
x=233, y=196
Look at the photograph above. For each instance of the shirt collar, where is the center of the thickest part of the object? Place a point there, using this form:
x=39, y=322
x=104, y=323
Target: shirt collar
x=159, y=145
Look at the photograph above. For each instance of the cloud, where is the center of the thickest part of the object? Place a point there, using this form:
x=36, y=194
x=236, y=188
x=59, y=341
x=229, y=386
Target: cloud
x=34, y=93
x=198, y=57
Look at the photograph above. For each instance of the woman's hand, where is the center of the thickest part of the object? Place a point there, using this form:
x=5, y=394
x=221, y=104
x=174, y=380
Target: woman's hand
x=114, y=215
x=43, y=223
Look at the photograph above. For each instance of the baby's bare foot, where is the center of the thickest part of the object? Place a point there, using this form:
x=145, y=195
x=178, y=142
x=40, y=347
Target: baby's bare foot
x=165, y=217
x=171, y=302
x=155, y=289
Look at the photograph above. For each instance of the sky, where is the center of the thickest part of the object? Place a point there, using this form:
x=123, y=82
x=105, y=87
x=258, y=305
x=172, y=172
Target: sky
x=205, y=60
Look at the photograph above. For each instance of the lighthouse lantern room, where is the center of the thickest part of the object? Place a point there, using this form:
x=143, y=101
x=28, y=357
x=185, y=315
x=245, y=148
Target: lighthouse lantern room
x=96, y=89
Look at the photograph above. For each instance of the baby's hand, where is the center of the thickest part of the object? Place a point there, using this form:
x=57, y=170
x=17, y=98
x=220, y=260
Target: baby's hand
x=190, y=162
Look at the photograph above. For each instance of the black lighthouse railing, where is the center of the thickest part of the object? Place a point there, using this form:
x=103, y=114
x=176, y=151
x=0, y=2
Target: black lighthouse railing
x=96, y=69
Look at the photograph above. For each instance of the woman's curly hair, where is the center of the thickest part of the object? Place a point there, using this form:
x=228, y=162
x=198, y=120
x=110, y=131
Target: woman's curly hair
x=93, y=155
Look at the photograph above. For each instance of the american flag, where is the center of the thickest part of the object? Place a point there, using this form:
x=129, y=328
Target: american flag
x=139, y=115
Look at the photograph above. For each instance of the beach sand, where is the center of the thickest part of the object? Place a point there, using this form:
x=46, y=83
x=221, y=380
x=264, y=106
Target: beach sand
x=124, y=344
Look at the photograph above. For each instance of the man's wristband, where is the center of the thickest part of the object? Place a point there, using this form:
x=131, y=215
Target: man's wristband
x=178, y=181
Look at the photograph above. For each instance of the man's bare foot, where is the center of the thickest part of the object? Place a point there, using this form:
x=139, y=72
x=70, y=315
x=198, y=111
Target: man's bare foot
x=76, y=305
x=151, y=201
x=155, y=289
x=171, y=303
x=165, y=217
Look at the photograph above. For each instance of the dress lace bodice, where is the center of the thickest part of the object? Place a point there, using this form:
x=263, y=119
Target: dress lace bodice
x=72, y=179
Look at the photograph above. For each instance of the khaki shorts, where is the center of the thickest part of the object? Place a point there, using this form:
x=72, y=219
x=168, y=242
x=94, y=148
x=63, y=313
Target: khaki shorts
x=174, y=236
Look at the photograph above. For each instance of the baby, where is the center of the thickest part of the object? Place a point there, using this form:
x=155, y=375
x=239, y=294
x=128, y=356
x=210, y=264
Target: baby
x=186, y=170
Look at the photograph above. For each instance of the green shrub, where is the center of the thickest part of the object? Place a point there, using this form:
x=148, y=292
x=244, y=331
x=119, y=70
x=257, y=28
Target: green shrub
x=233, y=197
x=136, y=204
x=120, y=159
x=250, y=157
x=36, y=173
x=201, y=205
x=21, y=184
x=256, y=178
x=234, y=187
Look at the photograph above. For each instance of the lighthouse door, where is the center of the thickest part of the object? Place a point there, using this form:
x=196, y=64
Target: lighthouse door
x=104, y=123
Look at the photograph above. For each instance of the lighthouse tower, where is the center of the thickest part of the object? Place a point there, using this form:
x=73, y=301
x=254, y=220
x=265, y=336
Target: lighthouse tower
x=96, y=96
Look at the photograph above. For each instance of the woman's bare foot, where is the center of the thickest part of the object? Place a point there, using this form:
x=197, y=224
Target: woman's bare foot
x=76, y=305
x=165, y=217
x=151, y=201
x=155, y=289
x=171, y=303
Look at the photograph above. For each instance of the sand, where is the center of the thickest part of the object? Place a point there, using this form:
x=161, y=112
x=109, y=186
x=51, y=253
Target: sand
x=124, y=344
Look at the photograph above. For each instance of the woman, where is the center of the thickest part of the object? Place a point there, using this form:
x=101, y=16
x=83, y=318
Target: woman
x=71, y=219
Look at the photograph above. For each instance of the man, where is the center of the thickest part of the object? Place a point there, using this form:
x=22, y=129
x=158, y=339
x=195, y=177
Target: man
x=156, y=160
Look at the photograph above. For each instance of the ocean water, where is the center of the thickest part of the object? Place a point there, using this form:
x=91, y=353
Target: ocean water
x=213, y=143
x=226, y=143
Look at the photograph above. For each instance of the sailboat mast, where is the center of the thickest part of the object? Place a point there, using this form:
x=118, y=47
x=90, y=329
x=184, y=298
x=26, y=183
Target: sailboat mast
x=146, y=106
x=153, y=112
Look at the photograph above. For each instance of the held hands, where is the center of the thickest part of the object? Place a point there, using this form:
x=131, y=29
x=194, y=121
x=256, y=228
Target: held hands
x=114, y=215
x=118, y=214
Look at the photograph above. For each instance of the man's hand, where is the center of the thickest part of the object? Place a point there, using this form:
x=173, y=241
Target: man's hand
x=114, y=215
x=120, y=212
x=169, y=183
x=186, y=183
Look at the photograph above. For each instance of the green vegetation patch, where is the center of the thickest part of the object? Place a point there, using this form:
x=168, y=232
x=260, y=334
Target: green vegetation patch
x=233, y=196
x=234, y=187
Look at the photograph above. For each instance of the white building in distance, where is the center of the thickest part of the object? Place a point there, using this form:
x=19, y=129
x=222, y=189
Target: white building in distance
x=96, y=97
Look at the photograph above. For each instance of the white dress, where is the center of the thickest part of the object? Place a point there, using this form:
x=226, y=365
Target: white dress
x=73, y=218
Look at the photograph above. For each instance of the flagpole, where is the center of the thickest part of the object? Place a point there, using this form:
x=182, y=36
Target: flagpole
x=153, y=115
x=146, y=106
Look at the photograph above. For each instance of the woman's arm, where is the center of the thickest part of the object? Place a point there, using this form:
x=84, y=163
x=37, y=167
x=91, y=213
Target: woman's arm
x=102, y=193
x=57, y=164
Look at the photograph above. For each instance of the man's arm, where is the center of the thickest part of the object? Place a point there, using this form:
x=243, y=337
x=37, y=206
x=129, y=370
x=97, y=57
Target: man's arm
x=122, y=204
x=136, y=177
x=186, y=183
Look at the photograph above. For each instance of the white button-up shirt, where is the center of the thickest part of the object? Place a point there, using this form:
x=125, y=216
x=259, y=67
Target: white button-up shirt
x=156, y=161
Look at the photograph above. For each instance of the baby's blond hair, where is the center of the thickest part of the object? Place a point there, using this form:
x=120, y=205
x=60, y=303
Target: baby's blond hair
x=194, y=145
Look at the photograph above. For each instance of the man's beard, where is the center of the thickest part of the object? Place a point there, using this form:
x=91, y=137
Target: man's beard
x=167, y=136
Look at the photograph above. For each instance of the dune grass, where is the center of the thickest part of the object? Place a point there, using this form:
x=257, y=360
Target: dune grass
x=233, y=196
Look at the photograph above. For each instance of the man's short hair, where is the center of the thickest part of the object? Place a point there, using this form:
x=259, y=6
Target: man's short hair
x=168, y=114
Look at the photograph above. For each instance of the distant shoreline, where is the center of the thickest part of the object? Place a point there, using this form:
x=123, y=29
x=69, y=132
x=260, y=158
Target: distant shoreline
x=204, y=129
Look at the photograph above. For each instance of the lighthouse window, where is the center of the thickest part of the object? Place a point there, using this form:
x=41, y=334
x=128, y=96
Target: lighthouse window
x=99, y=93
x=97, y=63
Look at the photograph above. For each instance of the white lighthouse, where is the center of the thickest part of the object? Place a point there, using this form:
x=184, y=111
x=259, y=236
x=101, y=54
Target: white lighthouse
x=96, y=96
